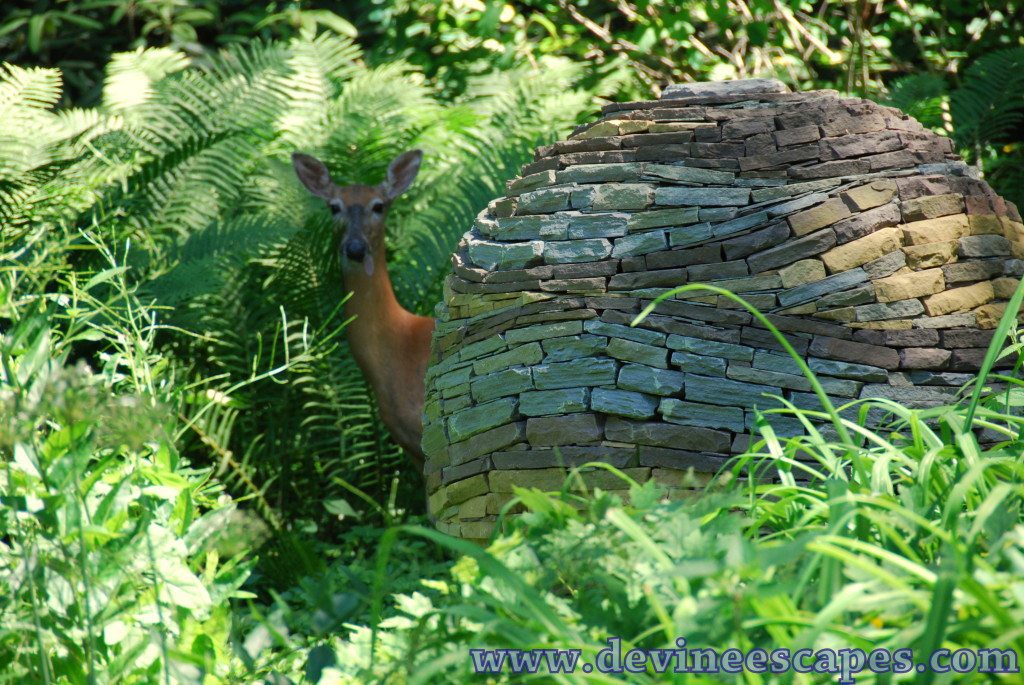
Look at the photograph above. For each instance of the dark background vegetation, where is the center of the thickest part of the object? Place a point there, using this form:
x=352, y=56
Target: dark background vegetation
x=858, y=46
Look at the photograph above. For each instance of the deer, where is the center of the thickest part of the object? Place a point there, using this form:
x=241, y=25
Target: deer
x=390, y=344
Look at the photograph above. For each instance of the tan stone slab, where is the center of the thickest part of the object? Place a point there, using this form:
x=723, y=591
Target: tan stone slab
x=609, y=127
x=932, y=206
x=825, y=214
x=808, y=308
x=449, y=527
x=677, y=126
x=863, y=250
x=989, y=315
x=543, y=479
x=633, y=126
x=908, y=285
x=870, y=195
x=474, y=508
x=985, y=224
x=497, y=500
x=438, y=500
x=1012, y=230
x=959, y=299
x=927, y=255
x=842, y=314
x=936, y=230
x=462, y=490
x=890, y=325
x=1005, y=287
x=476, y=530
x=802, y=272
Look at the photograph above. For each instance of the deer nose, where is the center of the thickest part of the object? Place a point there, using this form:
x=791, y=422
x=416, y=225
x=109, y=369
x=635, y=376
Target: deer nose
x=355, y=249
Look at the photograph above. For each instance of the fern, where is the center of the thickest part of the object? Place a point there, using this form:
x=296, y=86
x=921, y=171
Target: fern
x=990, y=104
x=983, y=116
x=188, y=164
x=922, y=96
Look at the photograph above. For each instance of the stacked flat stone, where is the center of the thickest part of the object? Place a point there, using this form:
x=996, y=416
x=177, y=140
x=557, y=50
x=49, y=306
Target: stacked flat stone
x=882, y=256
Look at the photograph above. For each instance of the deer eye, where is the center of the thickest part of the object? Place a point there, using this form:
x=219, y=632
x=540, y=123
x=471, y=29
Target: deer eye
x=377, y=208
x=336, y=207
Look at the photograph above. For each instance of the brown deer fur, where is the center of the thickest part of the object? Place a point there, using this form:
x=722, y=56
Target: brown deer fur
x=390, y=344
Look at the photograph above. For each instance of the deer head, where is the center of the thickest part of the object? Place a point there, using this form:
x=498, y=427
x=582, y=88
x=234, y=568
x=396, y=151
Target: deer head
x=359, y=210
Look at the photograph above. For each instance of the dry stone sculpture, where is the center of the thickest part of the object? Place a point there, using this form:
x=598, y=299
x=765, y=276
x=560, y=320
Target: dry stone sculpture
x=882, y=256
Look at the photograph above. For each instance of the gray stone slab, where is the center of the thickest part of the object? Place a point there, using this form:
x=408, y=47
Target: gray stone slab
x=477, y=419
x=729, y=392
x=710, y=348
x=658, y=434
x=832, y=386
x=684, y=236
x=542, y=331
x=792, y=251
x=573, y=347
x=493, y=255
x=575, y=373
x=521, y=355
x=639, y=353
x=484, y=443
x=615, y=330
x=599, y=173
x=546, y=402
x=573, y=429
x=659, y=218
x=567, y=457
x=640, y=244
x=901, y=309
x=740, y=224
x=857, y=372
x=712, y=89
x=609, y=225
x=633, y=405
x=545, y=227
x=501, y=384
x=702, y=197
x=698, y=414
x=655, y=381
x=699, y=364
x=886, y=265
x=682, y=174
x=573, y=251
x=818, y=289
x=794, y=189
x=544, y=201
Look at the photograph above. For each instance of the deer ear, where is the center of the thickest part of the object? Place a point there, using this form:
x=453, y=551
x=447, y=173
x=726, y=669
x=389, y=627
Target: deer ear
x=402, y=172
x=313, y=174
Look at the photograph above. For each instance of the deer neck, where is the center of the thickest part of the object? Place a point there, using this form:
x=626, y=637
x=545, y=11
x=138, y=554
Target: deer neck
x=378, y=319
x=391, y=346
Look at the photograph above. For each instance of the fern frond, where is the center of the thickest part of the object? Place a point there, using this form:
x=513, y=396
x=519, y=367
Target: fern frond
x=924, y=97
x=990, y=104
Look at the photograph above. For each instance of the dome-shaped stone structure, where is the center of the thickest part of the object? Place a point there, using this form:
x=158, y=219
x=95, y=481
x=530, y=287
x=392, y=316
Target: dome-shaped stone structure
x=883, y=257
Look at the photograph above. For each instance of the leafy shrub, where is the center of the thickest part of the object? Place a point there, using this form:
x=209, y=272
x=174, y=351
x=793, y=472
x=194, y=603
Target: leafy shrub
x=189, y=162
x=115, y=554
x=905, y=532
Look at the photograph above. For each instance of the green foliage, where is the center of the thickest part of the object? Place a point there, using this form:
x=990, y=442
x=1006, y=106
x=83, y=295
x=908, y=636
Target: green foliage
x=188, y=164
x=115, y=554
x=905, y=532
x=80, y=36
x=984, y=116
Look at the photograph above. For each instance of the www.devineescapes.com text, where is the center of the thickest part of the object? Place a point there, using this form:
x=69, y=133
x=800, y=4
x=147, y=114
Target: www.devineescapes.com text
x=845, y=663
